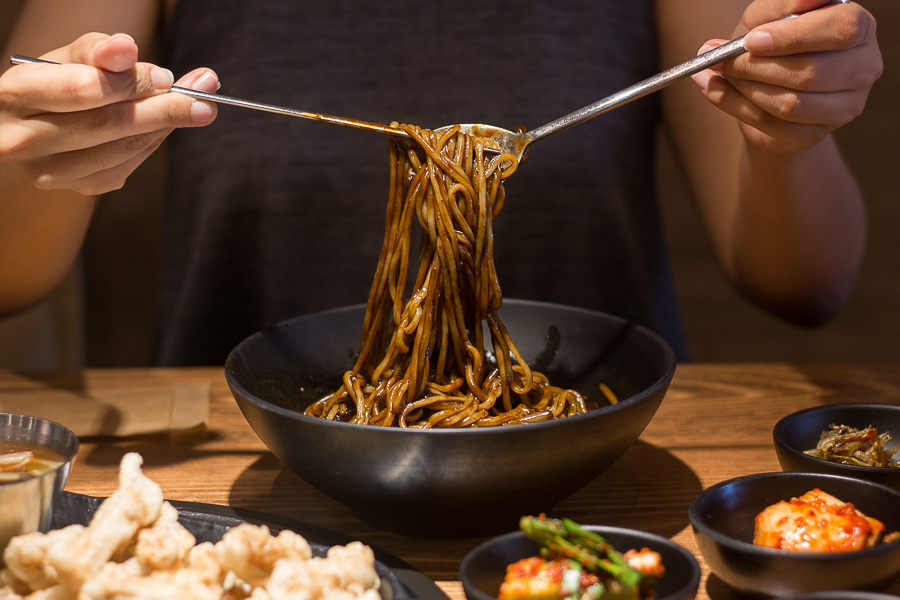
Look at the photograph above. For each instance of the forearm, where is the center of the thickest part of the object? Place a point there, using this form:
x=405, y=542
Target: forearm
x=41, y=233
x=73, y=131
x=797, y=232
x=782, y=209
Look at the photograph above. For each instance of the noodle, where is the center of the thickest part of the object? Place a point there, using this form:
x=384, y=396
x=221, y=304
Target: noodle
x=422, y=361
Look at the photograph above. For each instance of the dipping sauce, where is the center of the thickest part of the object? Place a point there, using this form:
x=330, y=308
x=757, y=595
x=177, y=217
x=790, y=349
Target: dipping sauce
x=24, y=460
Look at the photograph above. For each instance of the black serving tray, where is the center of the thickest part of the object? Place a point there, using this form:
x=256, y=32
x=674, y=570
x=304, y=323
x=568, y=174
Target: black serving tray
x=208, y=522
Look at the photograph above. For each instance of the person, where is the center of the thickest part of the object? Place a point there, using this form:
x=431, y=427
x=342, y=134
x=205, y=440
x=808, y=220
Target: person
x=269, y=217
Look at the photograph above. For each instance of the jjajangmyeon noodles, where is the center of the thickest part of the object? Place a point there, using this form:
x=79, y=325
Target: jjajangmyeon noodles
x=422, y=361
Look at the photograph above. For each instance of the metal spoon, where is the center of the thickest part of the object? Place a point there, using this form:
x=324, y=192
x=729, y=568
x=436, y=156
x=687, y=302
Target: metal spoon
x=503, y=141
x=517, y=144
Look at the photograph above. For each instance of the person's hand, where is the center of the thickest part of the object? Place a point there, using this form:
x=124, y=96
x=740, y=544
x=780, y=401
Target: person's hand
x=801, y=78
x=86, y=124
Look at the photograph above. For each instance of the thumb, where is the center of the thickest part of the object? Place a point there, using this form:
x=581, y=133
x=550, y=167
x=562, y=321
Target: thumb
x=116, y=54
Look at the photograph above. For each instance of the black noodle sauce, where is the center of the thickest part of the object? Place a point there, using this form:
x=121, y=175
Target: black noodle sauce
x=308, y=389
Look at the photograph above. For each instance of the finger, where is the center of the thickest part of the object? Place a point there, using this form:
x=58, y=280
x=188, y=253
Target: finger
x=55, y=133
x=41, y=88
x=785, y=136
x=710, y=45
x=110, y=179
x=831, y=109
x=52, y=133
x=204, y=80
x=836, y=27
x=60, y=171
x=761, y=12
x=808, y=72
x=96, y=69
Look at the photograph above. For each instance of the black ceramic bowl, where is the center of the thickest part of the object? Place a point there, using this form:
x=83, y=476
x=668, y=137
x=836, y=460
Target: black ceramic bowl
x=461, y=482
x=723, y=519
x=483, y=569
x=801, y=430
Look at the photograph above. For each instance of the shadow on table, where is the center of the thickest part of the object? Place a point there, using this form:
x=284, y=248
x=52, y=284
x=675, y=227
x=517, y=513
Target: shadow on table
x=268, y=487
x=648, y=488
x=717, y=589
x=158, y=449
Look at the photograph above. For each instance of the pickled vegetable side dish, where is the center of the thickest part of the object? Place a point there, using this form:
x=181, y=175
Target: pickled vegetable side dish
x=578, y=564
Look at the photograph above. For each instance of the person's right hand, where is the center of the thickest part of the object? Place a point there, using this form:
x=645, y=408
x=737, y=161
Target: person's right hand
x=86, y=124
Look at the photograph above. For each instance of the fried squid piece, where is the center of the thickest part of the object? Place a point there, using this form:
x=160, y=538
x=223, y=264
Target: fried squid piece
x=204, y=563
x=56, y=592
x=11, y=587
x=259, y=593
x=357, y=563
x=314, y=579
x=165, y=545
x=26, y=555
x=251, y=552
x=136, y=504
x=348, y=573
x=125, y=581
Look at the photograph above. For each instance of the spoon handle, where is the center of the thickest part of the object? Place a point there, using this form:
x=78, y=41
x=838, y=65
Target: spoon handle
x=638, y=90
x=18, y=59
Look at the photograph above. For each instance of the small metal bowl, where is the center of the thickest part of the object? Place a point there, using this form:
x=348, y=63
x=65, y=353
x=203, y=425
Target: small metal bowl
x=28, y=504
x=483, y=569
x=801, y=430
x=723, y=517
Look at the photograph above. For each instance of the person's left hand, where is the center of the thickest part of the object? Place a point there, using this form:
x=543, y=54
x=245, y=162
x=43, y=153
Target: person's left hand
x=801, y=78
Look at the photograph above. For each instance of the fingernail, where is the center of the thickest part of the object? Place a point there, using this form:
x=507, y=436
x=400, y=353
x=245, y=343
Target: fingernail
x=207, y=83
x=202, y=112
x=705, y=48
x=122, y=35
x=162, y=79
x=758, y=42
x=702, y=79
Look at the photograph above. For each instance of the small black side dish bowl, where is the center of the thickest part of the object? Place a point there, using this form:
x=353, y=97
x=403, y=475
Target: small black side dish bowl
x=842, y=596
x=723, y=518
x=801, y=430
x=483, y=569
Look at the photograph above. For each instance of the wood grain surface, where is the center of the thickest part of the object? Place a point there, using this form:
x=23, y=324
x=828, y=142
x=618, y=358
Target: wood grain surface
x=715, y=424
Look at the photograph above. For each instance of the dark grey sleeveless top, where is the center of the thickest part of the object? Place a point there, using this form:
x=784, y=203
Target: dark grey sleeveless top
x=270, y=217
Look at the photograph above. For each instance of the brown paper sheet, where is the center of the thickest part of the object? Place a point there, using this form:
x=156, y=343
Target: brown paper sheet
x=115, y=411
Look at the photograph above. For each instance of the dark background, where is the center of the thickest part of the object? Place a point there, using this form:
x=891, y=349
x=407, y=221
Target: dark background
x=121, y=254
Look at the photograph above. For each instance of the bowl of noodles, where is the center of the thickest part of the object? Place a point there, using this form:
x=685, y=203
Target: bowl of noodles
x=453, y=481
x=438, y=407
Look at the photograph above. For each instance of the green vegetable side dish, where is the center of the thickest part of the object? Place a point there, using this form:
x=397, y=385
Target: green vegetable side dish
x=858, y=447
x=578, y=564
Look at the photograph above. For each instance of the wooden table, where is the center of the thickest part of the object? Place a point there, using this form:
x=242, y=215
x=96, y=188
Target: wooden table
x=715, y=423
